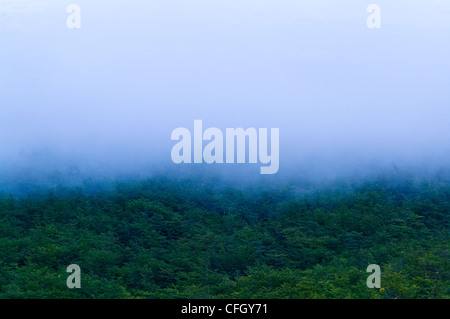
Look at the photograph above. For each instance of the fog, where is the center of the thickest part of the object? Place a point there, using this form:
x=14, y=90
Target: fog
x=102, y=101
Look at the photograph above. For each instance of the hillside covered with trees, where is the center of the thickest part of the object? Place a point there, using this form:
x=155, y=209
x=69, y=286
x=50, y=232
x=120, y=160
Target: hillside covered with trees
x=162, y=238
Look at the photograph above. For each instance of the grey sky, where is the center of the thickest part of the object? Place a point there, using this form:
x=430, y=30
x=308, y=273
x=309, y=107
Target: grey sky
x=114, y=90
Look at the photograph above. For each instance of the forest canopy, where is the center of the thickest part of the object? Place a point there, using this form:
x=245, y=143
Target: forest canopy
x=163, y=238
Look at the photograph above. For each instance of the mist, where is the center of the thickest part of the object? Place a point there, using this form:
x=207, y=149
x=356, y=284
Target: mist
x=102, y=101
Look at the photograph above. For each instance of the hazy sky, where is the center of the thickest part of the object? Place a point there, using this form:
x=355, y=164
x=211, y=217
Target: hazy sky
x=113, y=91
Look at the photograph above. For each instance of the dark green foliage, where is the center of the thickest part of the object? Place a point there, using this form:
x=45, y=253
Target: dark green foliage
x=163, y=239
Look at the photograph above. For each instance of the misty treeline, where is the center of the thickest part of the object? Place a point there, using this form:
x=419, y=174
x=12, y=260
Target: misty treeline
x=167, y=238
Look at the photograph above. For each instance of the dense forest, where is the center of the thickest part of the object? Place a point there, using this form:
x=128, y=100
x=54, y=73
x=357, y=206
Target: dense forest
x=162, y=238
